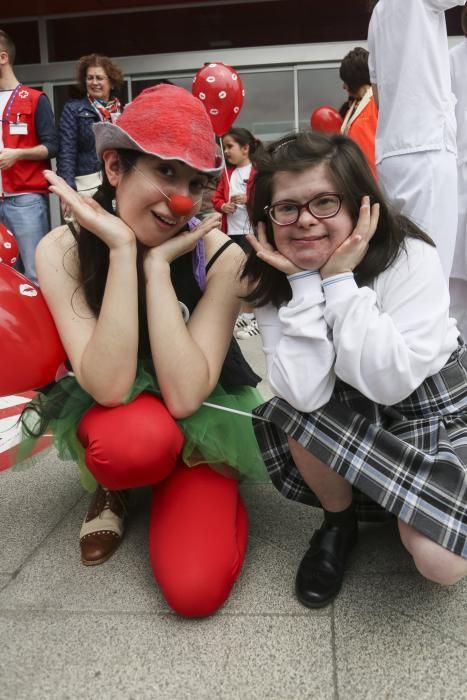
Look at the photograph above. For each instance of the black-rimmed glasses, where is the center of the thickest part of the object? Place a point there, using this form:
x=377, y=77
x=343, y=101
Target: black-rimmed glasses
x=323, y=206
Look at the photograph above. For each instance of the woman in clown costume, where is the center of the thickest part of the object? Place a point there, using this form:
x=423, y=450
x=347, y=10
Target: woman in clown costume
x=145, y=300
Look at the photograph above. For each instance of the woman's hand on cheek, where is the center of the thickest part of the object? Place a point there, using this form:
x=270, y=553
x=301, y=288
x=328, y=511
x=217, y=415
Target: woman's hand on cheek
x=181, y=243
x=352, y=251
x=90, y=215
x=270, y=255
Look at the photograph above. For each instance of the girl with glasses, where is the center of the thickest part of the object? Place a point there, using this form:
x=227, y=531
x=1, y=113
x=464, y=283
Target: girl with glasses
x=369, y=372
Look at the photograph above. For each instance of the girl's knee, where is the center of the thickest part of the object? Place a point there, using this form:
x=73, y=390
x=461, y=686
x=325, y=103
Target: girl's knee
x=445, y=570
x=435, y=563
x=131, y=445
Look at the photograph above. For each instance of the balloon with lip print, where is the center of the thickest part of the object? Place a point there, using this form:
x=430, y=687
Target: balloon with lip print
x=8, y=246
x=326, y=120
x=220, y=89
x=31, y=349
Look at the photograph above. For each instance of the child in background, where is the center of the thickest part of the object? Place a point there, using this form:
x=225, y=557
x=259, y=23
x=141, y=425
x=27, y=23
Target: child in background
x=361, y=117
x=230, y=199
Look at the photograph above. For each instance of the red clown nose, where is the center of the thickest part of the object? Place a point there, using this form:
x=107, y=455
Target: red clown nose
x=180, y=205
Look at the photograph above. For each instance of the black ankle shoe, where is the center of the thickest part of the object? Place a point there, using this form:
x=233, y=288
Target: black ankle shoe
x=321, y=571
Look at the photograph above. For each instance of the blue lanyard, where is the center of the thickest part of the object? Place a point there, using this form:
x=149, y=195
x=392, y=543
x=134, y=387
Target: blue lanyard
x=10, y=103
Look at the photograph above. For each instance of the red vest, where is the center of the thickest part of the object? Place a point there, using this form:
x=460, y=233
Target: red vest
x=24, y=175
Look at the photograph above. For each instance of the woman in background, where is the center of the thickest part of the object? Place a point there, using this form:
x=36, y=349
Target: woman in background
x=99, y=79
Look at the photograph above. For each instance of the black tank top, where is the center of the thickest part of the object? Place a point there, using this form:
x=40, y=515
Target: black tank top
x=235, y=371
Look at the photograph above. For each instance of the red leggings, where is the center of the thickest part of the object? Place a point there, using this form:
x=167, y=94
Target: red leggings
x=198, y=526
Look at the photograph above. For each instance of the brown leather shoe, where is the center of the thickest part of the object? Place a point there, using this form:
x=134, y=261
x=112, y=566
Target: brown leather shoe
x=102, y=529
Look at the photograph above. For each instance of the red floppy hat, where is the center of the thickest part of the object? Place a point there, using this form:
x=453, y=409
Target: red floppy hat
x=165, y=121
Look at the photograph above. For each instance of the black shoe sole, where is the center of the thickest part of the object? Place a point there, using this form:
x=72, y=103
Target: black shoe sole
x=316, y=606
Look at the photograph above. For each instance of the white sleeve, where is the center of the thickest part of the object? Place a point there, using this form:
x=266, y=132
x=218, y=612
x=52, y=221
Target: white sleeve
x=371, y=57
x=387, y=341
x=443, y=5
x=297, y=344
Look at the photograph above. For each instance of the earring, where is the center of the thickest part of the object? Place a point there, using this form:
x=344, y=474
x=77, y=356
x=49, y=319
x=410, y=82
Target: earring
x=114, y=206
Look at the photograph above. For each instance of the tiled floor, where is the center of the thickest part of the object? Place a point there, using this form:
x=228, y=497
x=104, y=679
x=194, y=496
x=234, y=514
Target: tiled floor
x=69, y=631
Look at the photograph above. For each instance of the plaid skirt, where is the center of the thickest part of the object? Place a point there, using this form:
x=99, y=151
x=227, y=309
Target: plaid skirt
x=408, y=460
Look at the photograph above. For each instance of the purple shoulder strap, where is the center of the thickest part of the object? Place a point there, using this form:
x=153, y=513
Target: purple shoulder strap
x=198, y=258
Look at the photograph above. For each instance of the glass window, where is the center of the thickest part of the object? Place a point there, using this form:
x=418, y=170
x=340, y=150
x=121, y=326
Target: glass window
x=316, y=87
x=268, y=109
x=138, y=86
x=25, y=36
x=262, y=113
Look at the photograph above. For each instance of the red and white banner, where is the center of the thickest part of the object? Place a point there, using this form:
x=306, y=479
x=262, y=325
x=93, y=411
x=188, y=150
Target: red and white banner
x=10, y=428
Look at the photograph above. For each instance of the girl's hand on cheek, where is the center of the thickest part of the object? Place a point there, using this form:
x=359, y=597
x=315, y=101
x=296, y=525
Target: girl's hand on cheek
x=270, y=255
x=181, y=243
x=89, y=214
x=352, y=251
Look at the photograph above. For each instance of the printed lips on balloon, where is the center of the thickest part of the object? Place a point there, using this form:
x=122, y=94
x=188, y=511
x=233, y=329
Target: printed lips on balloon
x=221, y=91
x=8, y=246
x=31, y=349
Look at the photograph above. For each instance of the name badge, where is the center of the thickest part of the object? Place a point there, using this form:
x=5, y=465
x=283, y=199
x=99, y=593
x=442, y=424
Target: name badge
x=19, y=129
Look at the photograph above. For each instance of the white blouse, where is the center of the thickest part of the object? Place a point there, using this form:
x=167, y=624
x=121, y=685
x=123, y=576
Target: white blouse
x=384, y=339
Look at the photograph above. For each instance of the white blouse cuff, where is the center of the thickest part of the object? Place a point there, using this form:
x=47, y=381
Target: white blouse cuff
x=339, y=286
x=305, y=282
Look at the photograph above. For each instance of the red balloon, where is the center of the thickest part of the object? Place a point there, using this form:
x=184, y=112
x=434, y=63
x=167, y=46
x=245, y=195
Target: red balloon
x=31, y=350
x=326, y=120
x=8, y=246
x=220, y=89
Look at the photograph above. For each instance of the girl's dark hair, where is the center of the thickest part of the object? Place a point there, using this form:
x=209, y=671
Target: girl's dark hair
x=354, y=71
x=353, y=178
x=93, y=255
x=245, y=138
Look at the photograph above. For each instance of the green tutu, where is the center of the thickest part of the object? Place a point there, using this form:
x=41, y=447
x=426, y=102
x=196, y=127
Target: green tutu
x=214, y=434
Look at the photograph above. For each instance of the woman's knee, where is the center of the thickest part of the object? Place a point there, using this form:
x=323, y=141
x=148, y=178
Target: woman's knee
x=197, y=544
x=130, y=445
x=435, y=563
x=196, y=592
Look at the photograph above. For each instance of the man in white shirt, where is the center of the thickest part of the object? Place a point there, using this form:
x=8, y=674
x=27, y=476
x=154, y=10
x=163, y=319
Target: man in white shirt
x=458, y=281
x=416, y=135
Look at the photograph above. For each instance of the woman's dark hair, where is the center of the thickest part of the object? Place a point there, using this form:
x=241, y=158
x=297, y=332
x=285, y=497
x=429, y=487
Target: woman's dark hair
x=353, y=178
x=354, y=70
x=464, y=20
x=92, y=60
x=93, y=255
x=245, y=138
